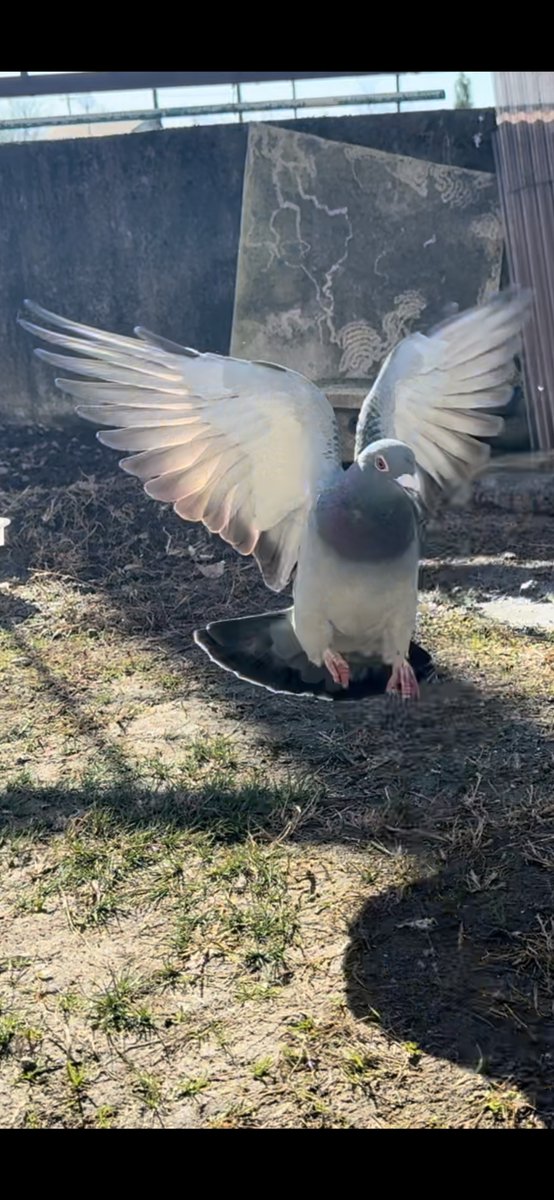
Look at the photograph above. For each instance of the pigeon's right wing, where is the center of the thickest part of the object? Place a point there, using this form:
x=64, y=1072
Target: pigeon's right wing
x=438, y=394
x=243, y=447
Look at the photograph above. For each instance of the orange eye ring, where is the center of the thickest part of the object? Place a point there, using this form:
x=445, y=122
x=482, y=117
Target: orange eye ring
x=381, y=463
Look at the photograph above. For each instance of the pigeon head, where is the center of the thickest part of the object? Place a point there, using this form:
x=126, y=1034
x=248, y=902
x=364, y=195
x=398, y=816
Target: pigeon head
x=389, y=457
x=368, y=515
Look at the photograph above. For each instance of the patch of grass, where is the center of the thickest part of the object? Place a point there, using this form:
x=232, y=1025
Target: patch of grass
x=359, y=1066
x=305, y=1025
x=214, y=797
x=71, y=1003
x=465, y=634
x=298, y=1056
x=505, y=1105
x=192, y=1087
x=262, y=1068
x=194, y=801
x=9, y=1027
x=267, y=934
x=190, y=921
x=171, y=878
x=17, y=847
x=104, y=1116
x=149, y=1089
x=32, y=1036
x=77, y=1078
x=314, y=1109
x=77, y=1075
x=32, y=1120
x=34, y=901
x=304, y=1046
x=237, y=1116
x=21, y=781
x=198, y=1035
x=118, y=1008
x=15, y=963
x=247, y=989
x=170, y=683
x=414, y=1053
x=211, y=751
x=101, y=905
x=236, y=903
x=17, y=1034
x=257, y=915
x=32, y=1072
x=169, y=976
x=92, y=865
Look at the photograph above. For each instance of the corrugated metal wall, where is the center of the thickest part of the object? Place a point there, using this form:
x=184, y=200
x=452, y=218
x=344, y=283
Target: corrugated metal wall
x=524, y=152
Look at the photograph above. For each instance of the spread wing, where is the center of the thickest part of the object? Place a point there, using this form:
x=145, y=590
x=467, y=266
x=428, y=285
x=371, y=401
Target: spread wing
x=439, y=393
x=242, y=446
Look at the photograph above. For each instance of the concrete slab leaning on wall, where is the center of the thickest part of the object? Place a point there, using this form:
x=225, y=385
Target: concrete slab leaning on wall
x=345, y=249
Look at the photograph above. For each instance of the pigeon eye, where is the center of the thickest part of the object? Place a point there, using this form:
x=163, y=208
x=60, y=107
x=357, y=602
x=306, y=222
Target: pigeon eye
x=381, y=463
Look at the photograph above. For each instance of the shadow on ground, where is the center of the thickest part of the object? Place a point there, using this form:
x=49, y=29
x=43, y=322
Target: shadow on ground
x=489, y=579
x=458, y=959
x=460, y=966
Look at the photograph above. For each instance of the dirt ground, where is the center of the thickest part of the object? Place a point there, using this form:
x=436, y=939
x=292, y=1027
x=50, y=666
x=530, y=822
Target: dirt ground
x=220, y=907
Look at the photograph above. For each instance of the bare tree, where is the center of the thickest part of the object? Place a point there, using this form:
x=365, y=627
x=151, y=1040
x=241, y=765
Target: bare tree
x=38, y=106
x=462, y=90
x=27, y=106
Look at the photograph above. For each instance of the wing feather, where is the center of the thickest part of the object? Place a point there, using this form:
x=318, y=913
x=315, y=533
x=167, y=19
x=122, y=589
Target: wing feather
x=243, y=447
x=438, y=394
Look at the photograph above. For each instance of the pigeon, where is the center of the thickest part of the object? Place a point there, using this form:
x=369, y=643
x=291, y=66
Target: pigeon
x=251, y=449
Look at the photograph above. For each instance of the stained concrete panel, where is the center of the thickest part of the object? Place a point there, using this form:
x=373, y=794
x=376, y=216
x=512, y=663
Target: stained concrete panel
x=344, y=250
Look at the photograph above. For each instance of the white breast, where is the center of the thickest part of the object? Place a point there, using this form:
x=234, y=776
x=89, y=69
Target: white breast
x=363, y=608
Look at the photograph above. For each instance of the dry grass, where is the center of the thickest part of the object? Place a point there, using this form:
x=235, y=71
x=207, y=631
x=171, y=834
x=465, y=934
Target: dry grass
x=223, y=908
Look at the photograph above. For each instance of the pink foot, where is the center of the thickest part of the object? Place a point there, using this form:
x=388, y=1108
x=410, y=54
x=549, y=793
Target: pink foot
x=403, y=681
x=337, y=667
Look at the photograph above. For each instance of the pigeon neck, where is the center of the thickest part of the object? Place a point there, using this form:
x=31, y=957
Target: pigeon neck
x=366, y=519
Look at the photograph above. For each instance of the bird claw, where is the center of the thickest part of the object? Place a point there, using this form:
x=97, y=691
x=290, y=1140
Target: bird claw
x=403, y=681
x=337, y=667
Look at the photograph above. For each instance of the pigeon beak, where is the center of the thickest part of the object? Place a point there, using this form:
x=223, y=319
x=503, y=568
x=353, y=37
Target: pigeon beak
x=410, y=482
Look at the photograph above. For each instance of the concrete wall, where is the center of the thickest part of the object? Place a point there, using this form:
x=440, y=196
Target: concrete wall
x=117, y=231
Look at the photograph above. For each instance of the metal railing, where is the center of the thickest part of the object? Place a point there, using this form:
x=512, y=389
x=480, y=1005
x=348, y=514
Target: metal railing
x=239, y=108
